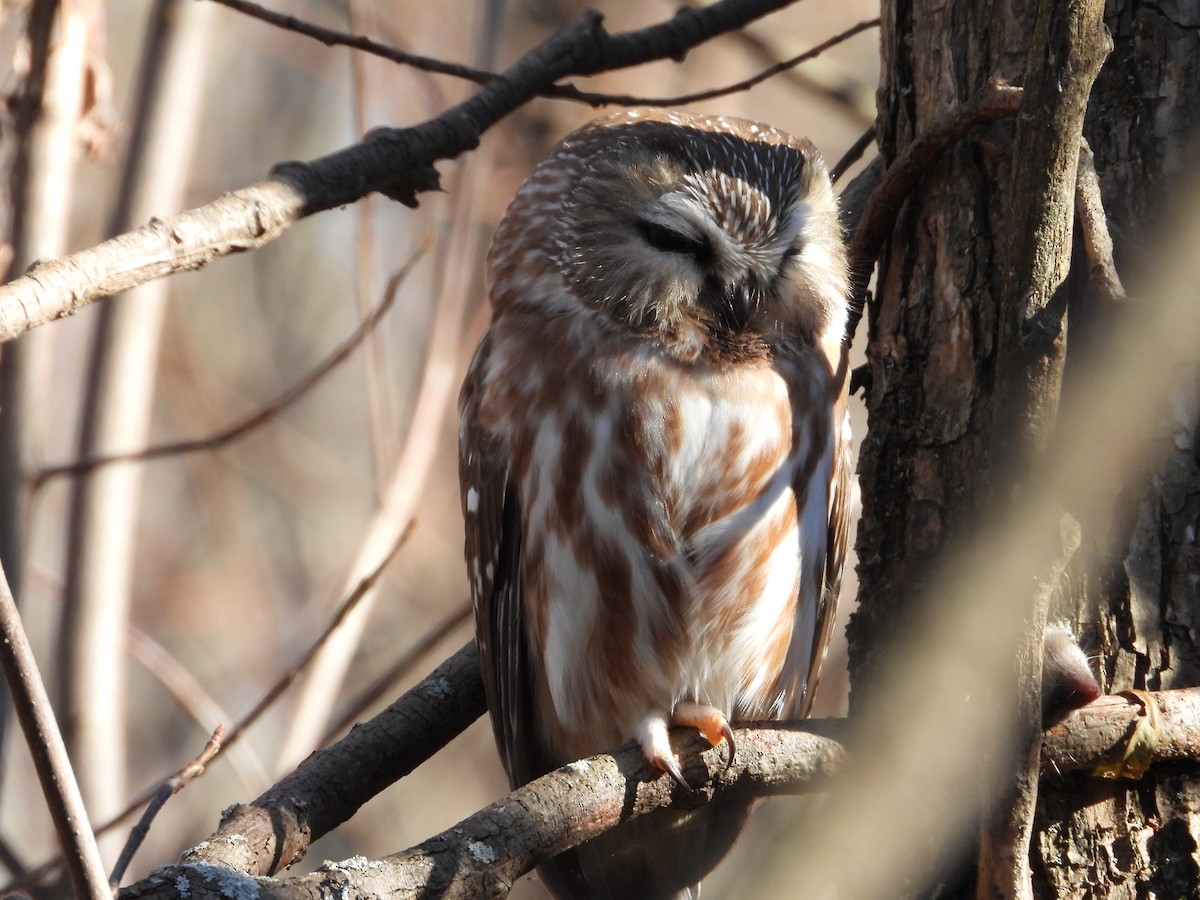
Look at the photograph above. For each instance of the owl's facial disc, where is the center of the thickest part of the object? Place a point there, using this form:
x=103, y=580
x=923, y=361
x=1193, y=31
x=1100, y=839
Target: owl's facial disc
x=731, y=270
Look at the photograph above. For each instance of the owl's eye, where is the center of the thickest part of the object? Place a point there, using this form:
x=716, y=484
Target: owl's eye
x=662, y=237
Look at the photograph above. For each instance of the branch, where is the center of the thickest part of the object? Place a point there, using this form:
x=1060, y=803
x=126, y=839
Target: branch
x=1067, y=47
x=261, y=416
x=45, y=743
x=399, y=670
x=330, y=785
x=1093, y=229
x=333, y=38
x=166, y=791
x=485, y=853
x=398, y=163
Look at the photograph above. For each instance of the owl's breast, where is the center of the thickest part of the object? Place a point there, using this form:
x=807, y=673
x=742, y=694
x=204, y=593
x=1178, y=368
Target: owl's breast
x=663, y=550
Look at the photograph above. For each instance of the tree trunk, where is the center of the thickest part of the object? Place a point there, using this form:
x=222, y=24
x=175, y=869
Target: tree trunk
x=1137, y=838
x=931, y=458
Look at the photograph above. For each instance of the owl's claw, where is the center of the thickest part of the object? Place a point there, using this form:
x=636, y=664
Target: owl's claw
x=656, y=747
x=713, y=724
x=727, y=731
x=669, y=765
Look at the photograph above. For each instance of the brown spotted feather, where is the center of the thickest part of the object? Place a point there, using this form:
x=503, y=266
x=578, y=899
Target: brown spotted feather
x=653, y=460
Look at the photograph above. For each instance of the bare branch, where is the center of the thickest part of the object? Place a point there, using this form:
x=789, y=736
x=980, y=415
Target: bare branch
x=853, y=155
x=396, y=162
x=45, y=743
x=484, y=854
x=570, y=93
x=261, y=416
x=333, y=38
x=398, y=670
x=169, y=789
x=242, y=725
x=330, y=785
x=195, y=700
x=364, y=586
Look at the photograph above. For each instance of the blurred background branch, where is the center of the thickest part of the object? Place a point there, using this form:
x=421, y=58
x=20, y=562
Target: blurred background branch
x=233, y=558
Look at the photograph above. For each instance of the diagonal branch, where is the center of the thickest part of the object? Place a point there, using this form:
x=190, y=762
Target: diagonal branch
x=396, y=162
x=261, y=416
x=485, y=853
x=45, y=744
x=326, y=789
x=333, y=38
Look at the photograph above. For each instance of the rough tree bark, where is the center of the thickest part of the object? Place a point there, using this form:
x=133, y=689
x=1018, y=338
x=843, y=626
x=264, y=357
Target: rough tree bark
x=929, y=459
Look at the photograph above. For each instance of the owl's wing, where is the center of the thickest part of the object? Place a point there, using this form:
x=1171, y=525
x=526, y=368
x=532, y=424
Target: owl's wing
x=837, y=538
x=492, y=517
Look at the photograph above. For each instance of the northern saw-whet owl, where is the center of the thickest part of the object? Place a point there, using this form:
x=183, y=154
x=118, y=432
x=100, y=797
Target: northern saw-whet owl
x=654, y=462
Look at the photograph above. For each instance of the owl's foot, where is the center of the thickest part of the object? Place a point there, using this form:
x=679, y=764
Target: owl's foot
x=656, y=747
x=713, y=724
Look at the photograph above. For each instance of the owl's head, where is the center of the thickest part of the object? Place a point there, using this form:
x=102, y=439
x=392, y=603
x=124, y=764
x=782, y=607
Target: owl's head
x=712, y=234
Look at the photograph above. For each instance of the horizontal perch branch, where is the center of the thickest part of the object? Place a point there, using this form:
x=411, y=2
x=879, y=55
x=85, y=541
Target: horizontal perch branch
x=483, y=854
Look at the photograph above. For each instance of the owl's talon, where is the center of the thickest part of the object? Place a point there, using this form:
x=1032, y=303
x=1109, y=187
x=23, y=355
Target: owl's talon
x=671, y=767
x=656, y=747
x=727, y=731
x=711, y=722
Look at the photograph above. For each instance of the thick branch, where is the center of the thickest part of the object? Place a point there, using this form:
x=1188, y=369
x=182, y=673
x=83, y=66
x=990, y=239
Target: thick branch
x=328, y=788
x=485, y=853
x=396, y=162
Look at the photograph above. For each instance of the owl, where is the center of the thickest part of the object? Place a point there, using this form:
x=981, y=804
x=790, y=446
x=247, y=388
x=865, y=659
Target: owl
x=654, y=463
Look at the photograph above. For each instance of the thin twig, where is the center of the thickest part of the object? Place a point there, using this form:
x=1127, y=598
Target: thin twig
x=594, y=99
x=380, y=414
x=396, y=162
x=838, y=85
x=169, y=789
x=853, y=155
x=243, y=724
x=264, y=414
x=333, y=38
x=398, y=670
x=192, y=697
x=347, y=606
x=10, y=860
x=75, y=836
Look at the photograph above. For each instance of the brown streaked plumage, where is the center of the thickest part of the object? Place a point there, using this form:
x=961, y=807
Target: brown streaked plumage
x=654, y=462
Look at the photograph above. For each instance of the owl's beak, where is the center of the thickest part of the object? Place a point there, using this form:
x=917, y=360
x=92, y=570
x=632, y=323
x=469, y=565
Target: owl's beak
x=730, y=303
x=733, y=309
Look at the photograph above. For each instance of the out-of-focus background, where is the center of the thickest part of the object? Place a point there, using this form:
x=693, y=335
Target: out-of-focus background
x=238, y=555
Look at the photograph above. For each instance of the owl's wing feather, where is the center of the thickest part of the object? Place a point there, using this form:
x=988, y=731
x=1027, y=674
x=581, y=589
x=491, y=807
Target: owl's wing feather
x=492, y=515
x=838, y=537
